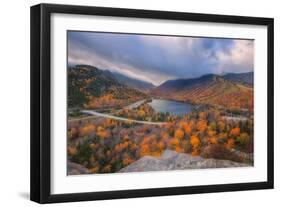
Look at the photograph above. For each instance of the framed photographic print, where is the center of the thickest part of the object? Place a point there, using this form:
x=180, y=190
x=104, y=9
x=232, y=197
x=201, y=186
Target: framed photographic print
x=133, y=103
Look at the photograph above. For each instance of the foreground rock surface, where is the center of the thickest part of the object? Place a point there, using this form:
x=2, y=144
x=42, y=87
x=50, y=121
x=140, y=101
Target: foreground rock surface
x=171, y=160
x=76, y=169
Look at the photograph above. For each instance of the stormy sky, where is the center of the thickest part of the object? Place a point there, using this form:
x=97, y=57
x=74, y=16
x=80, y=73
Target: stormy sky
x=159, y=58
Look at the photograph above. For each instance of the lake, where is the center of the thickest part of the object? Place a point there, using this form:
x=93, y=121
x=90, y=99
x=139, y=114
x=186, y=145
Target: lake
x=173, y=107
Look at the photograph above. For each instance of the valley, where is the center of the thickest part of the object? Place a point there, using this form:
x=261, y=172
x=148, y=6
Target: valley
x=114, y=120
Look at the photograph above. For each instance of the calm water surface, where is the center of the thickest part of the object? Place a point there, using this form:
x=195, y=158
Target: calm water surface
x=173, y=107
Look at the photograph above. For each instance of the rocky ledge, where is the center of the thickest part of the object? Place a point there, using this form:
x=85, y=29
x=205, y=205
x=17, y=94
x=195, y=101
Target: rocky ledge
x=171, y=160
x=76, y=169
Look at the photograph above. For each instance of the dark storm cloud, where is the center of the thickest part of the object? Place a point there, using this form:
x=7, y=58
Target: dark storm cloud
x=159, y=58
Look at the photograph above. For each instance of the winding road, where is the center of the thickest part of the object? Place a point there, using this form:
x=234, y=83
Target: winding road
x=135, y=105
x=120, y=118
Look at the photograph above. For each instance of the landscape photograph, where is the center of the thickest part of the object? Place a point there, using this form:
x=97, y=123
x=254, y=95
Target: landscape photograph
x=143, y=103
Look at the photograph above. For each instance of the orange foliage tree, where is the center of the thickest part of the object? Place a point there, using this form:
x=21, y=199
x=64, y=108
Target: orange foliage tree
x=201, y=126
x=235, y=132
x=230, y=143
x=179, y=134
x=195, y=142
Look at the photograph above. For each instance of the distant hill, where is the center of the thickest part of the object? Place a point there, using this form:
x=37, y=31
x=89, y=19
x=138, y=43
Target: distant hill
x=245, y=78
x=132, y=82
x=87, y=83
x=208, y=89
x=180, y=84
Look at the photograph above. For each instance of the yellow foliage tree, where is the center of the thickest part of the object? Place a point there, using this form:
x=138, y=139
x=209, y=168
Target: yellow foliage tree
x=95, y=169
x=221, y=126
x=107, y=169
x=141, y=113
x=244, y=138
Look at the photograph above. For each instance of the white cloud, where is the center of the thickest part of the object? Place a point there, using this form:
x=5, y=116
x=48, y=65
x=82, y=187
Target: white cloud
x=239, y=59
x=172, y=45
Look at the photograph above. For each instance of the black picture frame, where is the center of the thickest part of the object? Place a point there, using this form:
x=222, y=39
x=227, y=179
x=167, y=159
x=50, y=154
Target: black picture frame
x=41, y=96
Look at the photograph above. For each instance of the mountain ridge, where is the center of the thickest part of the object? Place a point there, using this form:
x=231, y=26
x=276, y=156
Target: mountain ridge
x=246, y=78
x=231, y=91
x=88, y=83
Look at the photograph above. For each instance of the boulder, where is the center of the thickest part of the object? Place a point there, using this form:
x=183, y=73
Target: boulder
x=171, y=160
x=76, y=169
